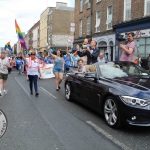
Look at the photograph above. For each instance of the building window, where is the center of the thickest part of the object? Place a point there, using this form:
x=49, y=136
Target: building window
x=147, y=7
x=88, y=26
x=88, y=4
x=109, y=18
x=81, y=5
x=127, y=9
x=97, y=26
x=98, y=1
x=80, y=28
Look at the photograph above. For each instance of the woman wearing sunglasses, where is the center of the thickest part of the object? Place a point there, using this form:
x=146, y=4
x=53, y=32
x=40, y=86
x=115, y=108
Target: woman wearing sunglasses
x=33, y=70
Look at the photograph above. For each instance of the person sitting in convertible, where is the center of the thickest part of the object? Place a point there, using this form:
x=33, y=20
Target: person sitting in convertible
x=81, y=67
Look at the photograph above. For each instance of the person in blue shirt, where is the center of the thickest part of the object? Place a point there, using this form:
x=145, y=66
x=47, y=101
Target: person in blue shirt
x=19, y=64
x=67, y=59
x=50, y=59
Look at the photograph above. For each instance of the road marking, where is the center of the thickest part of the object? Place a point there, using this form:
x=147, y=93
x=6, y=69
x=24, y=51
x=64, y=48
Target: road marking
x=98, y=129
x=48, y=93
x=23, y=88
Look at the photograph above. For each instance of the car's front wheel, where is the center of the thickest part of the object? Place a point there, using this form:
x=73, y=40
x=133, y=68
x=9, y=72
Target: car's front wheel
x=68, y=92
x=111, y=112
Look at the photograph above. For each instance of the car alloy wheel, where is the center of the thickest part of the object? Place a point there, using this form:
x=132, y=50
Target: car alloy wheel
x=111, y=113
x=68, y=92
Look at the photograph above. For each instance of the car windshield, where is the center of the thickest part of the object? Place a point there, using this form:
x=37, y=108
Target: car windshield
x=121, y=69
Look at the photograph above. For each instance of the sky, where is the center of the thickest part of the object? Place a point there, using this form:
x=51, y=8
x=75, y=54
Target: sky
x=26, y=12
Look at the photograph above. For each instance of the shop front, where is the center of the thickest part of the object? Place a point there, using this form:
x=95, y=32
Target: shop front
x=141, y=29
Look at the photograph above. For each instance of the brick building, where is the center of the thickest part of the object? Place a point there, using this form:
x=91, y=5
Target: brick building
x=59, y=23
x=102, y=20
x=33, y=36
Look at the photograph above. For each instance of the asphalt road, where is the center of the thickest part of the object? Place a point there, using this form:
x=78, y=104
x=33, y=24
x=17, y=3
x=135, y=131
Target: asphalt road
x=49, y=122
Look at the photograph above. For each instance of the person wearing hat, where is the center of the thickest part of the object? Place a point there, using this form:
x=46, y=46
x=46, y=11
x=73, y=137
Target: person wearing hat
x=33, y=71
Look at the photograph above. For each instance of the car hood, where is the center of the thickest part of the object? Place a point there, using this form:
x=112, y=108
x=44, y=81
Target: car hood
x=135, y=86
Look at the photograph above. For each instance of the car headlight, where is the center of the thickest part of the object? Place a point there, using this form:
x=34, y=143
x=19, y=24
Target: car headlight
x=135, y=101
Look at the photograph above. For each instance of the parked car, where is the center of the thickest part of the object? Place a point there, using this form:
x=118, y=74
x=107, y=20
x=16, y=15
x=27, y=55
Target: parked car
x=118, y=90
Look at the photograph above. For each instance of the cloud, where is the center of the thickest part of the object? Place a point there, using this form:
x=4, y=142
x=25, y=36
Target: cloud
x=27, y=13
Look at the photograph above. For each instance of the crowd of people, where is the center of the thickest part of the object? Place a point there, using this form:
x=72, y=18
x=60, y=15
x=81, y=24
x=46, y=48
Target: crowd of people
x=29, y=64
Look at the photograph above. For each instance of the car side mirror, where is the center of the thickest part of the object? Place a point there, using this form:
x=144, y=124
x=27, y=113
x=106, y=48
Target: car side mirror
x=90, y=75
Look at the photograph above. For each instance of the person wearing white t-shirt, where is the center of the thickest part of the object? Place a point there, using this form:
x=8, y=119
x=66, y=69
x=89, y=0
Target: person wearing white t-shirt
x=4, y=65
x=81, y=67
x=32, y=72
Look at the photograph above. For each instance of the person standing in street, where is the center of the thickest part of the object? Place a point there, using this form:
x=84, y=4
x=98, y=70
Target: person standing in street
x=58, y=69
x=148, y=61
x=139, y=60
x=4, y=65
x=91, y=52
x=128, y=50
x=19, y=64
x=33, y=71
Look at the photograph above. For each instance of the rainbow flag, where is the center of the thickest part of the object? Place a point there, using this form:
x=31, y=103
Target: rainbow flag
x=20, y=36
x=8, y=46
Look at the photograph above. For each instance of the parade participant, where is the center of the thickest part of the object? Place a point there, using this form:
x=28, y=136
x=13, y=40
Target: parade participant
x=148, y=60
x=101, y=58
x=4, y=65
x=67, y=60
x=32, y=72
x=58, y=69
x=128, y=49
x=51, y=59
x=91, y=52
x=10, y=63
x=81, y=67
x=19, y=64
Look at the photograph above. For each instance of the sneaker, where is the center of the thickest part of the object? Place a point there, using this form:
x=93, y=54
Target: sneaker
x=59, y=87
x=0, y=94
x=36, y=94
x=31, y=93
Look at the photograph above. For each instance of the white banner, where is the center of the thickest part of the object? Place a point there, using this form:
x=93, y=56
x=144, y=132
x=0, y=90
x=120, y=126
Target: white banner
x=47, y=71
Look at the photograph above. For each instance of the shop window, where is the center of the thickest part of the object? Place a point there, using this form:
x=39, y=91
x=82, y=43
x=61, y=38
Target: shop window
x=142, y=41
x=148, y=40
x=88, y=26
x=97, y=26
x=142, y=51
x=147, y=7
x=147, y=50
x=127, y=9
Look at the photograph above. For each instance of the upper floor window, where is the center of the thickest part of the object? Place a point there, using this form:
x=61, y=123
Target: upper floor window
x=147, y=7
x=81, y=5
x=97, y=26
x=127, y=9
x=88, y=26
x=80, y=28
x=98, y=1
x=109, y=18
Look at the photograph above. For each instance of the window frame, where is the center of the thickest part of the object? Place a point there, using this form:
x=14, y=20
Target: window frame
x=125, y=19
x=81, y=6
x=145, y=8
x=88, y=25
x=107, y=17
x=96, y=21
x=80, y=28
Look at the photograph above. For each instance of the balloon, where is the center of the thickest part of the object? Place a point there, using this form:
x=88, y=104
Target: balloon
x=51, y=50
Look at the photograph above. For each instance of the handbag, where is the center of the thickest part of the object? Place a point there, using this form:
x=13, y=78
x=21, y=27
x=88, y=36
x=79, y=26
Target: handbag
x=135, y=61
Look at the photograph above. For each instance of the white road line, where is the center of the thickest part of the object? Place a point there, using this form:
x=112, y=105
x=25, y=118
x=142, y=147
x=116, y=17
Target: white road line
x=48, y=93
x=98, y=129
x=23, y=88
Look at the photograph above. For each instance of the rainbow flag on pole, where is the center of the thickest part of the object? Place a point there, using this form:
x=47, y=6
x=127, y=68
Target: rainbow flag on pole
x=8, y=46
x=20, y=36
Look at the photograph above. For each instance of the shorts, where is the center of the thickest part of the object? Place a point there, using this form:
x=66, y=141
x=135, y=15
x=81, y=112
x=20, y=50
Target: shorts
x=58, y=70
x=3, y=76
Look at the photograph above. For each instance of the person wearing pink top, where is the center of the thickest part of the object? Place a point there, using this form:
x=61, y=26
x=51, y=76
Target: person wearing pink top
x=128, y=50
